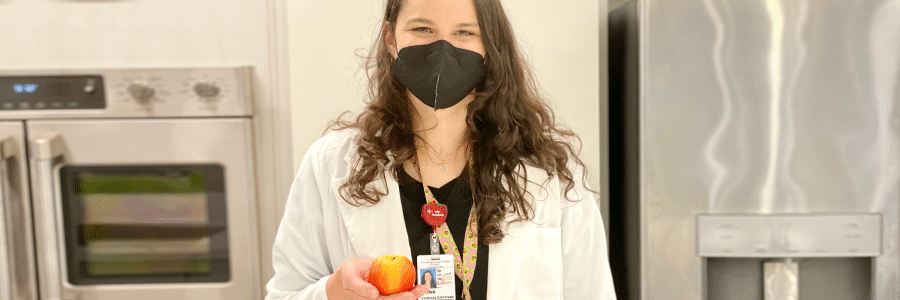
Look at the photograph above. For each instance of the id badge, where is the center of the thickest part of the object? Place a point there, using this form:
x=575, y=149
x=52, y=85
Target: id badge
x=436, y=272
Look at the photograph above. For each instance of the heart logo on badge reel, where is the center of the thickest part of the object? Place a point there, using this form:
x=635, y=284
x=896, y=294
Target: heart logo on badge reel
x=434, y=214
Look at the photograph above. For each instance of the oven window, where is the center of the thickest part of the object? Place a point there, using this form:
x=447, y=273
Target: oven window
x=145, y=224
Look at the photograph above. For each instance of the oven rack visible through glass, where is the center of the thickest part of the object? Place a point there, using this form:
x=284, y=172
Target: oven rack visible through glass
x=145, y=224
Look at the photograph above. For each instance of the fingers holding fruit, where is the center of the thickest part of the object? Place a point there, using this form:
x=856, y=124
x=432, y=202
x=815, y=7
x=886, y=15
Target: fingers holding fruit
x=349, y=281
x=394, y=276
x=388, y=277
x=415, y=293
x=355, y=280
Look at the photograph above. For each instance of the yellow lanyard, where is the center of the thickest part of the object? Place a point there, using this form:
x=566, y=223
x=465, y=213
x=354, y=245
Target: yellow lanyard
x=465, y=264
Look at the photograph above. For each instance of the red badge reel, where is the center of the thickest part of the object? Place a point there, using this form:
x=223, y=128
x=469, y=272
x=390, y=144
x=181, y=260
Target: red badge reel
x=434, y=214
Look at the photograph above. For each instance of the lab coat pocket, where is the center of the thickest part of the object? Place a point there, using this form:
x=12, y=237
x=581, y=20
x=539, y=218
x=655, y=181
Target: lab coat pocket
x=541, y=275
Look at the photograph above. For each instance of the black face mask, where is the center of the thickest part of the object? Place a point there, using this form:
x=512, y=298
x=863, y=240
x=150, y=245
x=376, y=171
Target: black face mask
x=439, y=74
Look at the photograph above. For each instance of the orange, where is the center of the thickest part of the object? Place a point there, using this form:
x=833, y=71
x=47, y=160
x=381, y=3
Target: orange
x=392, y=274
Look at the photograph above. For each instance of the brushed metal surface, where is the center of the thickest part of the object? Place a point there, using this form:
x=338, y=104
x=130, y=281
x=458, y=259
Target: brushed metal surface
x=780, y=280
x=48, y=217
x=817, y=278
x=794, y=235
x=764, y=107
x=6, y=270
x=20, y=282
x=135, y=142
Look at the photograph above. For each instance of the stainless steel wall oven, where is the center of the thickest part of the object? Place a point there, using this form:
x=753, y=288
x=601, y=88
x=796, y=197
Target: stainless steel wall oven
x=127, y=184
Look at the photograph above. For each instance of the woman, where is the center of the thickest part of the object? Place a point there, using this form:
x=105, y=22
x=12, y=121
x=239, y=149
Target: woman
x=454, y=119
x=428, y=279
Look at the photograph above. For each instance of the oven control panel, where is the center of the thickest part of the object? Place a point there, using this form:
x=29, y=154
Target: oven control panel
x=116, y=93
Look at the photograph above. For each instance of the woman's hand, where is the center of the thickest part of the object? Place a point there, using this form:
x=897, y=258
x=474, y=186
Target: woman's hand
x=349, y=281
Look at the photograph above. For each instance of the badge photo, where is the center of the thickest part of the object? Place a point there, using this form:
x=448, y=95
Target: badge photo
x=436, y=272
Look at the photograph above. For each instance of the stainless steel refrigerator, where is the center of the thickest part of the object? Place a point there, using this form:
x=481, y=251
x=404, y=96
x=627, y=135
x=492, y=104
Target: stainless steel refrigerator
x=754, y=149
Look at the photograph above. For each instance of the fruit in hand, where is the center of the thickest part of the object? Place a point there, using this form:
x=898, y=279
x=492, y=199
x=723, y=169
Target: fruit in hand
x=392, y=274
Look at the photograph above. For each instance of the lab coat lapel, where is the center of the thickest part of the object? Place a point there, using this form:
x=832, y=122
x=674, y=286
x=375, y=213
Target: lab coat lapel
x=506, y=257
x=379, y=229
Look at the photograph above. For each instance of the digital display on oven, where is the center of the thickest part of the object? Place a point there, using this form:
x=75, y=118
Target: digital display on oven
x=52, y=92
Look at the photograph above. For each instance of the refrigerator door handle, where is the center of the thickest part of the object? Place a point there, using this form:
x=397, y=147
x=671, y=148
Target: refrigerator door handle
x=7, y=150
x=45, y=149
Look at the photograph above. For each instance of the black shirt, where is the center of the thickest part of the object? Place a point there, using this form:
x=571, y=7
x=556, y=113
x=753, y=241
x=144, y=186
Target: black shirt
x=458, y=198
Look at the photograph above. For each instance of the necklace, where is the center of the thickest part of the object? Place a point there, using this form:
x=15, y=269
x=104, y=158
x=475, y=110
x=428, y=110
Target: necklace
x=441, y=162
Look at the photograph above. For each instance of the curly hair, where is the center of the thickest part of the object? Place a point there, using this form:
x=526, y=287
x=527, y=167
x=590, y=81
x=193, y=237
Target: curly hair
x=508, y=123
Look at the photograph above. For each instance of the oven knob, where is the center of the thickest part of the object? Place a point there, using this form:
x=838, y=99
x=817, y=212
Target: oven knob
x=141, y=91
x=206, y=90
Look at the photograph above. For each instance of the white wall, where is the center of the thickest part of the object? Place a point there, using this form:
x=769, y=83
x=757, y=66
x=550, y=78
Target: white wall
x=564, y=41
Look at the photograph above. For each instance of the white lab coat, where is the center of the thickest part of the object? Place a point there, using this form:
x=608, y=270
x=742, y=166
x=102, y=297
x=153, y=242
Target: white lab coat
x=560, y=254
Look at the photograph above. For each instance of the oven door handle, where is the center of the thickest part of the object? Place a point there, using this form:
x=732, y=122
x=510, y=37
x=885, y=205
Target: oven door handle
x=7, y=150
x=47, y=150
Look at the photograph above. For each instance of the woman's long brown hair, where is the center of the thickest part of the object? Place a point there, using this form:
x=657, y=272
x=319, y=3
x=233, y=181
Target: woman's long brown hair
x=508, y=122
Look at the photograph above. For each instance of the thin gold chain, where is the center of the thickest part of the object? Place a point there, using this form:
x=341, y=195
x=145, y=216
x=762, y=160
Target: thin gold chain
x=440, y=162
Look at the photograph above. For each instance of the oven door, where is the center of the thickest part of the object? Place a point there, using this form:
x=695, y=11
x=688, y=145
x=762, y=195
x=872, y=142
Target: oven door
x=145, y=209
x=17, y=278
